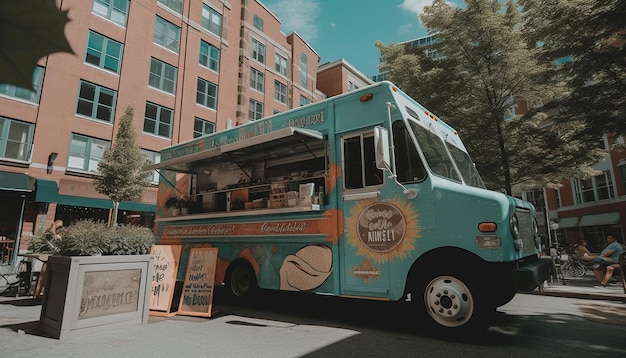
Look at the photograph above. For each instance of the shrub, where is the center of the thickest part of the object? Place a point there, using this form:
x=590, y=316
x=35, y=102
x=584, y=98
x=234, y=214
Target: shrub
x=89, y=238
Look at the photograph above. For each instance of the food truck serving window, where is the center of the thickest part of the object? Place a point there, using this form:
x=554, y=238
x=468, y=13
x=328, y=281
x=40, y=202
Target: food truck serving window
x=274, y=144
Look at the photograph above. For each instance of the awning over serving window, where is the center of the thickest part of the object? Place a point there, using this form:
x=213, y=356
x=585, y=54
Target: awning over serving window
x=181, y=164
x=15, y=182
x=600, y=219
x=273, y=144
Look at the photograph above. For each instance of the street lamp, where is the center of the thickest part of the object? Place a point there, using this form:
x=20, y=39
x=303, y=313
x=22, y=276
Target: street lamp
x=554, y=226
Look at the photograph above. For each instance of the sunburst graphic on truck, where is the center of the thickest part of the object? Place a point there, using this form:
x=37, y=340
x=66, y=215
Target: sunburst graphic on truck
x=383, y=231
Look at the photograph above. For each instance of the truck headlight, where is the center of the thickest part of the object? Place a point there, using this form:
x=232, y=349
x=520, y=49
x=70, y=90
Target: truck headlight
x=536, y=234
x=514, y=224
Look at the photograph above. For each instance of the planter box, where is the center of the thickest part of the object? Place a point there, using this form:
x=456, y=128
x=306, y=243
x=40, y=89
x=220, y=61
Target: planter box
x=86, y=294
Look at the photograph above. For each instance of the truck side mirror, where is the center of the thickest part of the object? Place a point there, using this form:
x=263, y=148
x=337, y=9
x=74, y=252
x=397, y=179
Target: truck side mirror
x=381, y=148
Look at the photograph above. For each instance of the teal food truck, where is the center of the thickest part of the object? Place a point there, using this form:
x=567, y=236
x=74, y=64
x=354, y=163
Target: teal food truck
x=363, y=195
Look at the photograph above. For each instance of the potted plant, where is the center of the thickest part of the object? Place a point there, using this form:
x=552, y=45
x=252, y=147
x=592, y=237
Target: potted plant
x=89, y=265
x=173, y=205
x=185, y=204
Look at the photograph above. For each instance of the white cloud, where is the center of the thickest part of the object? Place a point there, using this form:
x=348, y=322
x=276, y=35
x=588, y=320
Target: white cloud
x=297, y=15
x=415, y=6
x=406, y=29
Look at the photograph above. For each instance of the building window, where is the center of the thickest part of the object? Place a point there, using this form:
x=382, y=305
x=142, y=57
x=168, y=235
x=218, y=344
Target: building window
x=162, y=76
x=595, y=188
x=103, y=52
x=114, y=10
x=303, y=70
x=280, y=65
x=16, y=139
x=209, y=56
x=206, y=94
x=174, y=5
x=257, y=22
x=360, y=163
x=158, y=120
x=152, y=158
x=202, y=127
x=557, y=196
x=623, y=171
x=535, y=197
x=280, y=92
x=257, y=80
x=166, y=34
x=256, y=110
x=96, y=102
x=211, y=20
x=258, y=51
x=304, y=101
x=85, y=153
x=24, y=93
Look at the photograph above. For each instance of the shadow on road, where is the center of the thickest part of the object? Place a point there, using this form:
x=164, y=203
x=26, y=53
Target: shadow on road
x=568, y=334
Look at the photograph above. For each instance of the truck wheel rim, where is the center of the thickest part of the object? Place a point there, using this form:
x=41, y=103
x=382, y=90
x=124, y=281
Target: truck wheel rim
x=240, y=282
x=449, y=301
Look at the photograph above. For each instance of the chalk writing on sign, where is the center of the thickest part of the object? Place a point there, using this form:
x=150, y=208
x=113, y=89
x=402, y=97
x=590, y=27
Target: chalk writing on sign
x=199, y=282
x=163, y=275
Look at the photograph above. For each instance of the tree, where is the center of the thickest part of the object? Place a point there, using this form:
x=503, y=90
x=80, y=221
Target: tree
x=481, y=63
x=121, y=176
x=583, y=41
x=29, y=30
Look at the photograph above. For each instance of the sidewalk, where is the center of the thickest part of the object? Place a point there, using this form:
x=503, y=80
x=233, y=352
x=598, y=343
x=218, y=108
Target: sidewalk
x=186, y=336
x=582, y=287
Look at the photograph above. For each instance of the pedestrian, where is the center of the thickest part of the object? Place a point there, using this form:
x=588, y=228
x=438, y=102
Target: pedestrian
x=582, y=252
x=606, y=261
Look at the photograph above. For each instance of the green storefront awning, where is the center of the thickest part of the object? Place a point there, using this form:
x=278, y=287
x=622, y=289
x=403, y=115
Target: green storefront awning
x=565, y=223
x=46, y=191
x=133, y=206
x=103, y=203
x=600, y=219
x=15, y=182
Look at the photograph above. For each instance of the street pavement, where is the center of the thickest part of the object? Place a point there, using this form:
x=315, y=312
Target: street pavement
x=186, y=336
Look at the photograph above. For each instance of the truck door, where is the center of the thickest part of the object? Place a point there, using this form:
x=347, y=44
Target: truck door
x=364, y=273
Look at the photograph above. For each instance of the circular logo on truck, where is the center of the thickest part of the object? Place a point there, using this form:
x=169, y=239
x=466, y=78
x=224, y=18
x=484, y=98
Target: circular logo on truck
x=381, y=227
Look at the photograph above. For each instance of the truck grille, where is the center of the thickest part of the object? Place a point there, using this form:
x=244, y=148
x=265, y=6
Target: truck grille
x=526, y=230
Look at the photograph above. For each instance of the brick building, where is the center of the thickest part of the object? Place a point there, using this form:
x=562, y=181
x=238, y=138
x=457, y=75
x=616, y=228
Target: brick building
x=188, y=67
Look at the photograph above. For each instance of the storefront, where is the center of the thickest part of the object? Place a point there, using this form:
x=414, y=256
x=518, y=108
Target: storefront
x=14, y=191
x=91, y=205
x=28, y=205
x=592, y=227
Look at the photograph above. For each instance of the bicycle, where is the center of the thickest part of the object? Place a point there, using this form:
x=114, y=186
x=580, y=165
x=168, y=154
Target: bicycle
x=573, y=267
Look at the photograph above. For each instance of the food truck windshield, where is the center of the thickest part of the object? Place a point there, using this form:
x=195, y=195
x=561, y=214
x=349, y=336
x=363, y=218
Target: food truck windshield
x=444, y=158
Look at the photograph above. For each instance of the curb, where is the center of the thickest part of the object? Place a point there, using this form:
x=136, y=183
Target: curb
x=581, y=295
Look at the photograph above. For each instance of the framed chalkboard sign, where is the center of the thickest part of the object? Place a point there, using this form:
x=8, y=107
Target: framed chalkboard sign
x=197, y=295
x=166, y=260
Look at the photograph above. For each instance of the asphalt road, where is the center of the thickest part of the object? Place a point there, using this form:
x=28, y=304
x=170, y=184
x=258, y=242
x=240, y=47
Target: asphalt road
x=279, y=324
x=528, y=326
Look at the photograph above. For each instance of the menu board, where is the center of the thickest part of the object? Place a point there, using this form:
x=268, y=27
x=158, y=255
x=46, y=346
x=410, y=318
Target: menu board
x=197, y=296
x=166, y=259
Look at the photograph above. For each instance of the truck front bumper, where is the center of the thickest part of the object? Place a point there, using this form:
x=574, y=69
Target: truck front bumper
x=531, y=275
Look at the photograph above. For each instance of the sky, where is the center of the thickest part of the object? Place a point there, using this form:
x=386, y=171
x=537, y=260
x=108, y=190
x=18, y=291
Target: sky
x=348, y=29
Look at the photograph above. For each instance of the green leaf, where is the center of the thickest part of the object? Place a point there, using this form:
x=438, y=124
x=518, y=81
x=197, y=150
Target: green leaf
x=29, y=30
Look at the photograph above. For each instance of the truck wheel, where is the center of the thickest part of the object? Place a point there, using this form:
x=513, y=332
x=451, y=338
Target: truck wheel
x=241, y=281
x=502, y=296
x=452, y=301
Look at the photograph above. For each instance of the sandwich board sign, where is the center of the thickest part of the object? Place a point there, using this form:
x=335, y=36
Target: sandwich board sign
x=197, y=295
x=166, y=259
